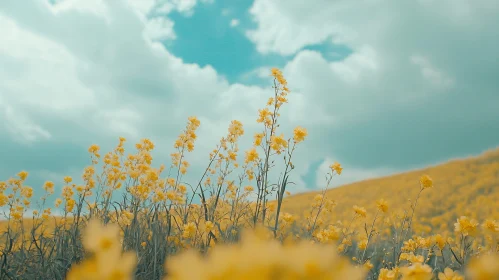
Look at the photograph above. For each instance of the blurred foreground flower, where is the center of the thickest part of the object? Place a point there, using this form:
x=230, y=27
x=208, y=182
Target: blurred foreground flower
x=260, y=257
x=107, y=261
x=484, y=267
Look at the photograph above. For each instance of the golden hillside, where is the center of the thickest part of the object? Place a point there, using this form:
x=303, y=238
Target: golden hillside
x=461, y=187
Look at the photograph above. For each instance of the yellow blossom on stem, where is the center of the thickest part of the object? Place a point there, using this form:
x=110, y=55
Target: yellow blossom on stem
x=382, y=205
x=426, y=182
x=466, y=226
x=449, y=274
x=68, y=179
x=299, y=134
x=417, y=271
x=251, y=155
x=336, y=167
x=22, y=175
x=360, y=211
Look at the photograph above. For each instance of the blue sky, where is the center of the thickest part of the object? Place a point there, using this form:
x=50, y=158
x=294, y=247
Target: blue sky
x=381, y=86
x=210, y=36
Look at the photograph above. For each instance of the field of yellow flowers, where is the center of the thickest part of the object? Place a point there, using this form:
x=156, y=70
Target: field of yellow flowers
x=131, y=220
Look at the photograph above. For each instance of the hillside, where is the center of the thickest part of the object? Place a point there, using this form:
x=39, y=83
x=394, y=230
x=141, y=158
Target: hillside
x=461, y=187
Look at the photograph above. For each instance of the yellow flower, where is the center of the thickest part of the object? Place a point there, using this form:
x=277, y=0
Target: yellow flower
x=466, y=226
x=251, y=155
x=485, y=267
x=16, y=215
x=263, y=115
x=417, y=271
x=182, y=189
x=336, y=167
x=449, y=274
x=232, y=156
x=235, y=130
x=183, y=170
x=299, y=134
x=277, y=74
x=368, y=265
x=171, y=181
x=318, y=197
x=416, y=258
x=386, y=274
x=382, y=205
x=23, y=175
x=363, y=244
x=278, y=143
x=48, y=187
x=27, y=192
x=360, y=211
x=288, y=218
x=258, y=138
x=258, y=257
x=491, y=225
x=194, y=121
x=270, y=101
x=121, y=267
x=189, y=230
x=171, y=195
x=46, y=213
x=425, y=182
x=68, y=179
x=93, y=149
x=101, y=239
x=440, y=241
x=3, y=199
x=208, y=226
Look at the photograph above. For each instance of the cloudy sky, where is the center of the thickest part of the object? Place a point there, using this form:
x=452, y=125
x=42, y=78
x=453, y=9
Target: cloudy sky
x=381, y=86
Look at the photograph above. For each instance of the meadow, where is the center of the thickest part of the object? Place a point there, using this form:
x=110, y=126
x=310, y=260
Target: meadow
x=133, y=220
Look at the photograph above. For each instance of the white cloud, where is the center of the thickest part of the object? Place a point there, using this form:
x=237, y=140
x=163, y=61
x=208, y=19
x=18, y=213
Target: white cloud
x=41, y=76
x=234, y=22
x=142, y=6
x=357, y=66
x=121, y=121
x=159, y=29
x=284, y=27
x=382, y=35
x=435, y=76
x=97, y=7
x=182, y=6
x=22, y=128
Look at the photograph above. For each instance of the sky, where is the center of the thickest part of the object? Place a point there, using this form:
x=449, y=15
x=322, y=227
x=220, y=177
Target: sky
x=381, y=86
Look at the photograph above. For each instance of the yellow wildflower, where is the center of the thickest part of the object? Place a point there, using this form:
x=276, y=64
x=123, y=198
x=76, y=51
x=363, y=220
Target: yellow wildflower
x=336, y=167
x=426, y=182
